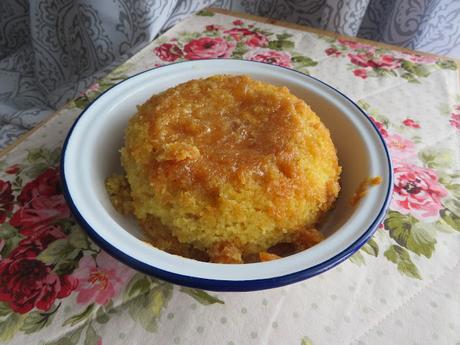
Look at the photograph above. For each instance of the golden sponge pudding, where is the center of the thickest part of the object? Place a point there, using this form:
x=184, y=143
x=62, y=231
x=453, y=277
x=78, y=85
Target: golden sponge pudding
x=227, y=167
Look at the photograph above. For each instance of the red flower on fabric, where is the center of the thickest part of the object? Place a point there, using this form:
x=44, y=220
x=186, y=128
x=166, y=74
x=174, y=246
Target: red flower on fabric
x=6, y=199
x=354, y=44
x=421, y=59
x=208, y=48
x=455, y=121
x=417, y=191
x=42, y=230
x=369, y=60
x=26, y=283
x=269, y=56
x=41, y=210
x=361, y=60
x=13, y=169
x=214, y=27
x=46, y=184
x=239, y=33
x=332, y=51
x=380, y=127
x=168, y=52
x=385, y=62
x=360, y=72
x=257, y=40
x=238, y=22
x=38, y=238
x=253, y=39
x=411, y=123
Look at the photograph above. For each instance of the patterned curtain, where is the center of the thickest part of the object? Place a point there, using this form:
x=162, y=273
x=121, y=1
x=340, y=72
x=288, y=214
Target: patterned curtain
x=51, y=50
x=427, y=25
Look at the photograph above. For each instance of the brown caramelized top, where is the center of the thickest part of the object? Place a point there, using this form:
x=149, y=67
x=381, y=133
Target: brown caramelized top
x=224, y=129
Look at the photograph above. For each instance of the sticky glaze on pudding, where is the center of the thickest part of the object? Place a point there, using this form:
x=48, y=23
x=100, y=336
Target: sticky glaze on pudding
x=224, y=168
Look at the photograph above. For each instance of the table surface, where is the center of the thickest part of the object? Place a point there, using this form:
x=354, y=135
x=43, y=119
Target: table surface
x=57, y=287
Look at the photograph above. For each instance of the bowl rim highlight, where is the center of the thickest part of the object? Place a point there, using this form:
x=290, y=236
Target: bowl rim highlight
x=226, y=284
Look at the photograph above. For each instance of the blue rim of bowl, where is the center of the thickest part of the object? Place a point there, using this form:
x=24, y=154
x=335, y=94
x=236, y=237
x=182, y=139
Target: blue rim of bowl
x=218, y=284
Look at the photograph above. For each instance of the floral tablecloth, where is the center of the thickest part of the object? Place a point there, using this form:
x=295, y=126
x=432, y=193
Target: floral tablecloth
x=402, y=287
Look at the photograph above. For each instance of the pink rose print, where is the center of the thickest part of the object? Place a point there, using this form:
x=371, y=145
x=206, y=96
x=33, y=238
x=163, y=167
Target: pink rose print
x=417, y=191
x=100, y=280
x=238, y=22
x=361, y=60
x=400, y=147
x=411, y=123
x=168, y=52
x=253, y=39
x=455, y=121
x=385, y=61
x=257, y=40
x=269, y=56
x=208, y=48
x=239, y=33
x=332, y=51
x=380, y=127
x=360, y=72
x=421, y=59
x=368, y=60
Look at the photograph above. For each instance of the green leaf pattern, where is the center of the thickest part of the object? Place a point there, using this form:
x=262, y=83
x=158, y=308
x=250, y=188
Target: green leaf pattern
x=407, y=238
x=400, y=256
x=36, y=320
x=201, y=296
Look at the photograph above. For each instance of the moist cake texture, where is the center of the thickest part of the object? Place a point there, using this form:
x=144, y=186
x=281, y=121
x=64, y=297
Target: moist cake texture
x=225, y=168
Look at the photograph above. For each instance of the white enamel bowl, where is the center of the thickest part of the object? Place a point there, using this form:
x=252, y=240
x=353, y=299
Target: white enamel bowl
x=91, y=153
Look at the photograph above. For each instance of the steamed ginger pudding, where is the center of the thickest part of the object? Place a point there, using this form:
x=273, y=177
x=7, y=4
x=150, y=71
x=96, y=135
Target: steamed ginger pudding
x=227, y=169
